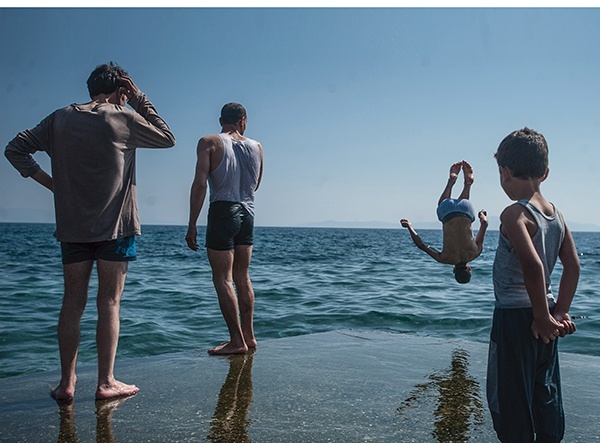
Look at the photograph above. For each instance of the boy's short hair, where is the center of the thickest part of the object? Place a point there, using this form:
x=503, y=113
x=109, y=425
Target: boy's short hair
x=462, y=274
x=232, y=113
x=525, y=153
x=105, y=79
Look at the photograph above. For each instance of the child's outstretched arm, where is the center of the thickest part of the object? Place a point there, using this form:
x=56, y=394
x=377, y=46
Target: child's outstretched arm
x=515, y=226
x=418, y=242
x=568, y=282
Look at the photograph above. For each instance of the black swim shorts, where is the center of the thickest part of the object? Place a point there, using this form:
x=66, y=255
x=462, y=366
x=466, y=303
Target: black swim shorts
x=229, y=225
x=120, y=249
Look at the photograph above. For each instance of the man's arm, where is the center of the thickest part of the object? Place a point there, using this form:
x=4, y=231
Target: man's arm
x=419, y=243
x=151, y=131
x=199, y=188
x=44, y=179
x=483, y=225
x=20, y=150
x=568, y=282
x=514, y=224
x=260, y=174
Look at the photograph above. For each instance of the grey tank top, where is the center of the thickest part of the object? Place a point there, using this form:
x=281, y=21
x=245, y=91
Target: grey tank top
x=236, y=177
x=509, y=285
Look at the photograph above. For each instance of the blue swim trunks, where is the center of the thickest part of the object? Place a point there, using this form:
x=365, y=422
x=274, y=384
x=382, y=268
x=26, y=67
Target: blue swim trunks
x=453, y=207
x=120, y=249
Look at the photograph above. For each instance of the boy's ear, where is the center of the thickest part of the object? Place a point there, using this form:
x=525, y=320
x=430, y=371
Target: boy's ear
x=545, y=175
x=505, y=173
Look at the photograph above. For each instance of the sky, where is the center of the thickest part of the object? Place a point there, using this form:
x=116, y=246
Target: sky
x=360, y=111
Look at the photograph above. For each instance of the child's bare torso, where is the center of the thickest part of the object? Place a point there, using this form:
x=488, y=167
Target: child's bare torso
x=459, y=245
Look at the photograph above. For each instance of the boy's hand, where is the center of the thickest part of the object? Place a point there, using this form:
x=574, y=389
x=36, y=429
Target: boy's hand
x=483, y=218
x=405, y=223
x=565, y=319
x=547, y=329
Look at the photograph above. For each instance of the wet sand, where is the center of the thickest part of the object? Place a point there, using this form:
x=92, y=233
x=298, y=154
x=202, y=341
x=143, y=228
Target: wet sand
x=343, y=386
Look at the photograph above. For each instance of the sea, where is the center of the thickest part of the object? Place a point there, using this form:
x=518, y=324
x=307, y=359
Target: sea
x=306, y=281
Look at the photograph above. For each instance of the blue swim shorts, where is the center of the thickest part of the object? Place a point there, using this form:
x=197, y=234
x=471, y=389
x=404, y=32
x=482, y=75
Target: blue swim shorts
x=120, y=249
x=453, y=207
x=229, y=225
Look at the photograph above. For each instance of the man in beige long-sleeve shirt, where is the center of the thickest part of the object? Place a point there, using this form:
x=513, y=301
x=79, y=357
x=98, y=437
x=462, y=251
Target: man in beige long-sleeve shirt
x=92, y=149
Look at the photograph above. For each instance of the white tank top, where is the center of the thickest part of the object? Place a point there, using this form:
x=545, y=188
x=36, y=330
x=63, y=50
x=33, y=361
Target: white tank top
x=236, y=177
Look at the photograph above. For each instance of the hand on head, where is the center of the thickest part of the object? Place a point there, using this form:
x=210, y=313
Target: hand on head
x=128, y=87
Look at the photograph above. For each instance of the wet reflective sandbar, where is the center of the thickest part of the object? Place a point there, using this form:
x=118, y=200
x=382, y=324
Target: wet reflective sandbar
x=343, y=386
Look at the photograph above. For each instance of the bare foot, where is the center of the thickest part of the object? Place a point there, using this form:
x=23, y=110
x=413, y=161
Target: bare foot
x=468, y=172
x=115, y=389
x=228, y=348
x=250, y=342
x=455, y=170
x=61, y=395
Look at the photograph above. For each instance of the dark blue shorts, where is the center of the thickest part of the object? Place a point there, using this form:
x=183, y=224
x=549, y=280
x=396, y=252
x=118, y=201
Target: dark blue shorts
x=523, y=381
x=121, y=249
x=229, y=225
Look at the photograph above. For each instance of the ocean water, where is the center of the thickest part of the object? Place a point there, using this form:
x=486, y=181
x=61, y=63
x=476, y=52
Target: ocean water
x=306, y=280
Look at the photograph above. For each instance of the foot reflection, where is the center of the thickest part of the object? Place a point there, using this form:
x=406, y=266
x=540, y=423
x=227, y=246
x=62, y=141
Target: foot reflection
x=67, y=432
x=230, y=421
x=104, y=412
x=459, y=402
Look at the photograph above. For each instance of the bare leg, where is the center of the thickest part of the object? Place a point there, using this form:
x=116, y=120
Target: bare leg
x=454, y=171
x=468, y=174
x=77, y=278
x=221, y=263
x=111, y=281
x=243, y=285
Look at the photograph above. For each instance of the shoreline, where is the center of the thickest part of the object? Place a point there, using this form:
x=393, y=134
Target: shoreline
x=339, y=386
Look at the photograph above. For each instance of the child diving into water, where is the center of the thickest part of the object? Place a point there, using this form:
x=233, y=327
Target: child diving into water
x=457, y=216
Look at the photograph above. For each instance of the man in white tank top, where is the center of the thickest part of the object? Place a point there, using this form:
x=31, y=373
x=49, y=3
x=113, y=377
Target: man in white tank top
x=231, y=165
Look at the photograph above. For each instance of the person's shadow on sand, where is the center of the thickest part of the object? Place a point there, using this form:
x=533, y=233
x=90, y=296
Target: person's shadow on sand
x=459, y=402
x=230, y=421
x=104, y=411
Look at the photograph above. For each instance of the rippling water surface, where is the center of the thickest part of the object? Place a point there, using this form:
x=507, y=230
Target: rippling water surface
x=306, y=280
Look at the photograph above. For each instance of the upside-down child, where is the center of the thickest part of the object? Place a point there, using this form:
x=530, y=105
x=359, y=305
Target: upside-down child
x=457, y=216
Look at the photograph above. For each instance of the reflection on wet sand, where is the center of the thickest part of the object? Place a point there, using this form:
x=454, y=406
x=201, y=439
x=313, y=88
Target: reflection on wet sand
x=104, y=412
x=67, y=432
x=230, y=421
x=459, y=402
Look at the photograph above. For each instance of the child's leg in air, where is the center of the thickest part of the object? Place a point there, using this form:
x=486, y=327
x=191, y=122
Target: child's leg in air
x=468, y=174
x=454, y=171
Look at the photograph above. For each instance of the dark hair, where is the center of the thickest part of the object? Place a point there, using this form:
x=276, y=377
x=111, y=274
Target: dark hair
x=525, y=153
x=105, y=79
x=232, y=113
x=462, y=274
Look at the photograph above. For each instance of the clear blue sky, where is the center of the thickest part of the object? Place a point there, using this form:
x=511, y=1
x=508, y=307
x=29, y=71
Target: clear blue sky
x=360, y=111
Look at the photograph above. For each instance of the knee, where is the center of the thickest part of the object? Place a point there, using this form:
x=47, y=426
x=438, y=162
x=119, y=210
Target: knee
x=74, y=304
x=222, y=280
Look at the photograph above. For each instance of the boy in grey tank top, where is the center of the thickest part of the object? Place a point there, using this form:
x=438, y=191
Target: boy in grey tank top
x=523, y=384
